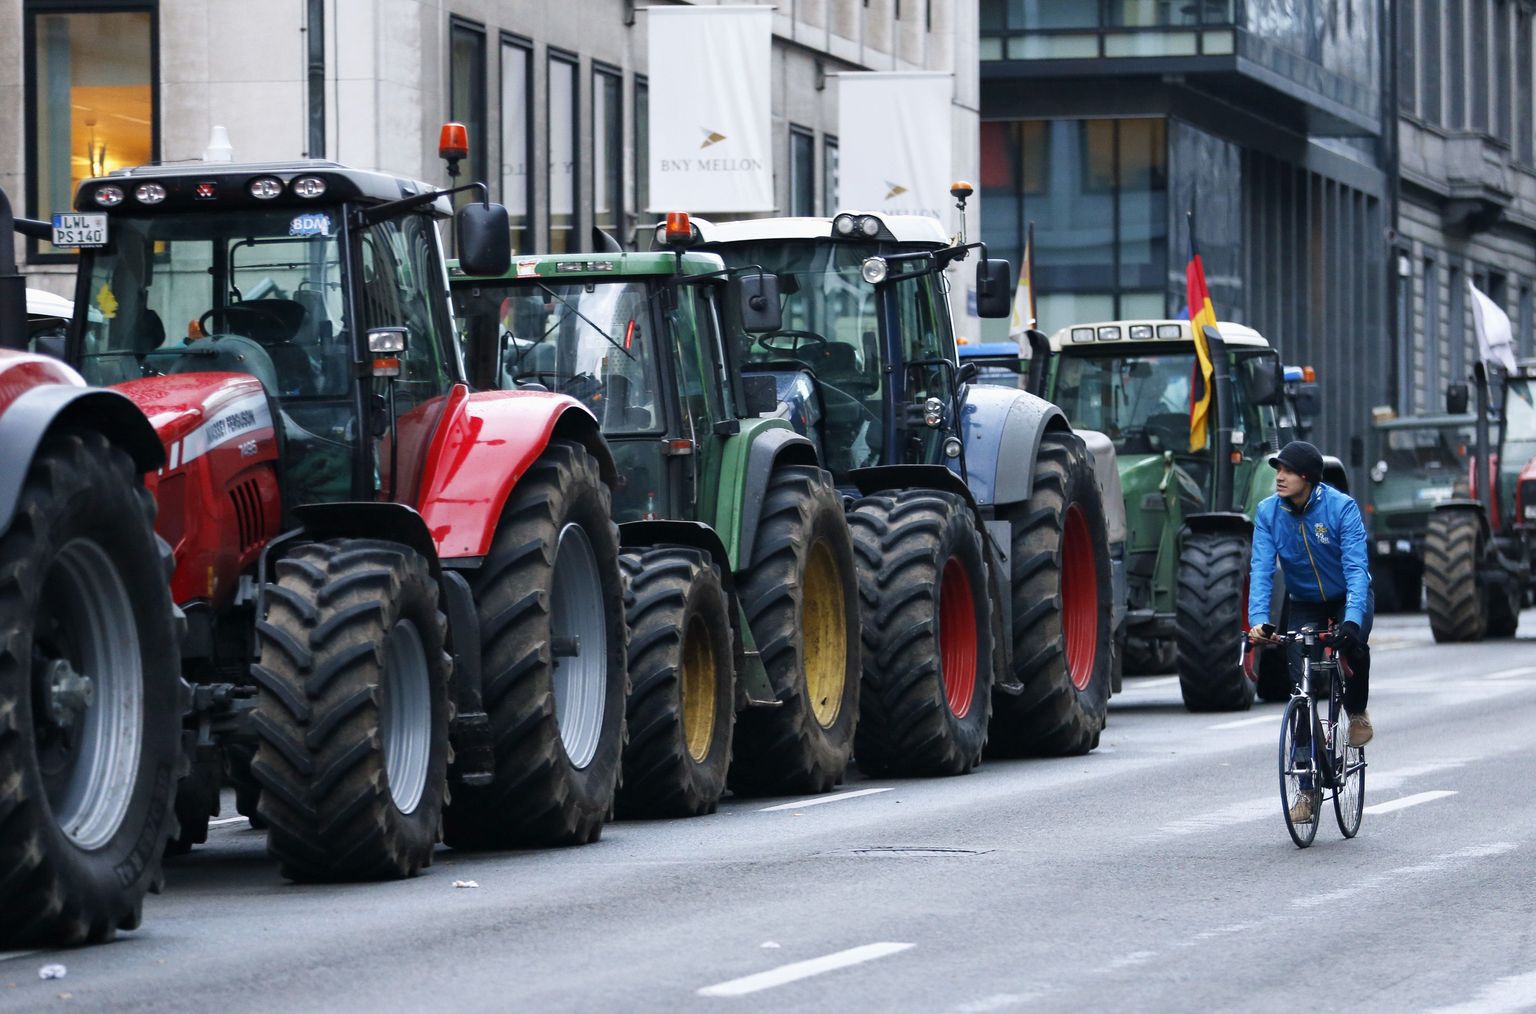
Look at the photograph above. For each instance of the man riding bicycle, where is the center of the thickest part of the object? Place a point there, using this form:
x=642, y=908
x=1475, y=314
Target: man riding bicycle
x=1316, y=533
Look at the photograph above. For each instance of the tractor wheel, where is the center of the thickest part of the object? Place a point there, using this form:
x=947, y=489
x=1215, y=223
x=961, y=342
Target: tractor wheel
x=551, y=605
x=1146, y=656
x=800, y=595
x=91, y=699
x=1274, y=672
x=1453, y=548
x=1503, y=611
x=927, y=634
x=682, y=699
x=1213, y=588
x=351, y=712
x=197, y=802
x=1060, y=581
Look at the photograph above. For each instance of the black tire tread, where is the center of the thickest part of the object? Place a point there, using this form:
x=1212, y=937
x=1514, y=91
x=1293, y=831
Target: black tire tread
x=1213, y=576
x=1452, y=594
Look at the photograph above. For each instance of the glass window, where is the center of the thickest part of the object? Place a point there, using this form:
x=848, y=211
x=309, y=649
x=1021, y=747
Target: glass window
x=1477, y=38
x=1503, y=74
x=1456, y=63
x=1429, y=81
x=1433, y=346
x=608, y=152
x=467, y=95
x=563, y=130
x=1407, y=55
x=642, y=145
x=829, y=174
x=1525, y=112
x=1141, y=402
x=402, y=288
x=517, y=139
x=802, y=172
x=90, y=102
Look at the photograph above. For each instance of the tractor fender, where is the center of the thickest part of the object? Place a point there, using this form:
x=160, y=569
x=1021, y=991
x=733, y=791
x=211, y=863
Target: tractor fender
x=693, y=534
x=1472, y=506
x=771, y=447
x=482, y=447
x=1106, y=472
x=1002, y=429
x=879, y=478
x=393, y=522
x=1229, y=522
x=61, y=401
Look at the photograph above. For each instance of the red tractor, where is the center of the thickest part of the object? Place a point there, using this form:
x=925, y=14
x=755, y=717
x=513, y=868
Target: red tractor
x=392, y=584
x=90, y=699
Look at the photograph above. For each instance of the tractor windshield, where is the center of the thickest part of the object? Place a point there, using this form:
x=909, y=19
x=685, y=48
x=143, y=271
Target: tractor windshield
x=1438, y=451
x=268, y=276
x=591, y=340
x=1519, y=421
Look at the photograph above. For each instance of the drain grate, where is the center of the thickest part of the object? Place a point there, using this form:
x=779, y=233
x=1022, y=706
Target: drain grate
x=901, y=852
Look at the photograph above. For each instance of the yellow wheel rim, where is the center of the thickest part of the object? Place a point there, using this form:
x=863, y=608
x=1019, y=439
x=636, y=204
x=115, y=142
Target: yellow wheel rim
x=824, y=615
x=700, y=671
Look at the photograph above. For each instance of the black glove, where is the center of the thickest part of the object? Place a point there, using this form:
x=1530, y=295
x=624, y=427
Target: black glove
x=1346, y=640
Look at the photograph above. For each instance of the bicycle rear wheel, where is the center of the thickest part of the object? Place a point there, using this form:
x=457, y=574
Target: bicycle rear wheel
x=1296, y=765
x=1349, y=796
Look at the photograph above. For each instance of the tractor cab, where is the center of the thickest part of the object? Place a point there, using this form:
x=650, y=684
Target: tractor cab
x=323, y=283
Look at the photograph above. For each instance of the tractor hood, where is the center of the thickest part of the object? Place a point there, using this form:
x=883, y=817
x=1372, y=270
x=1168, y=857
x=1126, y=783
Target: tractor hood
x=194, y=413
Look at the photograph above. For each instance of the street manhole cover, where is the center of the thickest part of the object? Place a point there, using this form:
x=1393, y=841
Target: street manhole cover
x=896, y=852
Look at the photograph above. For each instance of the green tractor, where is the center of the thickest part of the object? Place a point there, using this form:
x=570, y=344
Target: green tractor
x=1188, y=512
x=1478, y=547
x=979, y=526
x=1417, y=463
x=742, y=596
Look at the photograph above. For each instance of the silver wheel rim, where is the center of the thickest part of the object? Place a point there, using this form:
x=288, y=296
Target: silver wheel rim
x=405, y=717
x=577, y=618
x=91, y=790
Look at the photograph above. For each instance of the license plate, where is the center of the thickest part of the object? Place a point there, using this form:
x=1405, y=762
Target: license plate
x=80, y=230
x=1436, y=494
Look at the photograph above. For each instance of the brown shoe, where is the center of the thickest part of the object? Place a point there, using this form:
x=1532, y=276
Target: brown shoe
x=1301, y=810
x=1360, y=731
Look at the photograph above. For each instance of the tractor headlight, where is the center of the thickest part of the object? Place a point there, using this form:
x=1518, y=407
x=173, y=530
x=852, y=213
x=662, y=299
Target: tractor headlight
x=933, y=413
x=874, y=270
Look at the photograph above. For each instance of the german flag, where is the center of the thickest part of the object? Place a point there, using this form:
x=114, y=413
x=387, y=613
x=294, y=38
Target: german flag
x=1201, y=313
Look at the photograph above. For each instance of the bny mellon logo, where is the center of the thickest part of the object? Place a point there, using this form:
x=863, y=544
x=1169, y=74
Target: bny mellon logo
x=896, y=189
x=710, y=137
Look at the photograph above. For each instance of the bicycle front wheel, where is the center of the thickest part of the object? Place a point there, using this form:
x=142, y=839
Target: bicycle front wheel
x=1349, y=796
x=1300, y=794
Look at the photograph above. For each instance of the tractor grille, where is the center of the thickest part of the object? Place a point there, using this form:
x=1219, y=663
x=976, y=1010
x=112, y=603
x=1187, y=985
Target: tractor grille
x=248, y=513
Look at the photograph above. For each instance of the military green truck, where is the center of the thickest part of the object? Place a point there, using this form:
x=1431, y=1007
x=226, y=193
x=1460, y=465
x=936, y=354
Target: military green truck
x=742, y=595
x=1188, y=512
x=1417, y=462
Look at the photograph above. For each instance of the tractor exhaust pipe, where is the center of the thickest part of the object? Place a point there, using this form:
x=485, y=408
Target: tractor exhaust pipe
x=1221, y=378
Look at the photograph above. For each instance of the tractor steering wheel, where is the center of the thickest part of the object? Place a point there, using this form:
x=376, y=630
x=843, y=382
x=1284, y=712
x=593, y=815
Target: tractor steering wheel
x=809, y=337
x=224, y=313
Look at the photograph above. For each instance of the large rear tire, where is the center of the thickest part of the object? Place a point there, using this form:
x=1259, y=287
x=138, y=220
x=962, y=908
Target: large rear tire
x=927, y=634
x=1062, y=601
x=1453, y=549
x=682, y=701
x=1213, y=587
x=90, y=699
x=1274, y=685
x=351, y=712
x=551, y=605
x=800, y=594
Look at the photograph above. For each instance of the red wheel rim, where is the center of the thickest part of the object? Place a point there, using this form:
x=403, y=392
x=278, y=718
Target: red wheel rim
x=957, y=637
x=1079, y=598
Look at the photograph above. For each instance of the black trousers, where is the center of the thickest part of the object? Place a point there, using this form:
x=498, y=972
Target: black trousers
x=1318, y=615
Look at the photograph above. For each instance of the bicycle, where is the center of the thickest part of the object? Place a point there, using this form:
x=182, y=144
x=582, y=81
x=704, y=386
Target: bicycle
x=1315, y=755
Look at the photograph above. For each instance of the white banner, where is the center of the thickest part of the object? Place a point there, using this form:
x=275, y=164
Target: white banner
x=895, y=141
x=711, y=132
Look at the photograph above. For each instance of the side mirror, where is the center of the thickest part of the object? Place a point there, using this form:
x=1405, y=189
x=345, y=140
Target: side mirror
x=967, y=374
x=761, y=394
x=1457, y=397
x=992, y=296
x=1306, y=401
x=756, y=294
x=1264, y=381
x=485, y=239
x=49, y=345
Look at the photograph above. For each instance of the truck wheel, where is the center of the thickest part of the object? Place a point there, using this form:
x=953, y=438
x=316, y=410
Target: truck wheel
x=682, y=700
x=1213, y=588
x=91, y=699
x=1453, y=548
x=1060, y=581
x=551, y=607
x=800, y=595
x=927, y=634
x=351, y=712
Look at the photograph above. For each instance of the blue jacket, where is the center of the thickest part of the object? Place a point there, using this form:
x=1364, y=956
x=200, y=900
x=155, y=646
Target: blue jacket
x=1321, y=551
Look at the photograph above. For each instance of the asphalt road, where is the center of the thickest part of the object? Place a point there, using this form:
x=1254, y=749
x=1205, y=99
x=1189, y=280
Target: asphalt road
x=1154, y=874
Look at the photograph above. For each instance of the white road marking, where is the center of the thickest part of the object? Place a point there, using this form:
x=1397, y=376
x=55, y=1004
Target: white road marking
x=1404, y=802
x=819, y=800
x=1142, y=684
x=798, y=970
x=1446, y=863
x=1511, y=993
x=1504, y=674
x=13, y=955
x=997, y=1001
x=226, y=820
x=1243, y=723
x=1131, y=960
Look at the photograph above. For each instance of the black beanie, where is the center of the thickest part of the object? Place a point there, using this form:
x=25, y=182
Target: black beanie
x=1301, y=458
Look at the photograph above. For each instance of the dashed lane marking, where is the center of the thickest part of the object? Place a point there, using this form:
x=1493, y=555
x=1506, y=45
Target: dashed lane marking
x=1504, y=674
x=1402, y=803
x=226, y=820
x=1511, y=993
x=1449, y=862
x=836, y=797
x=13, y=955
x=798, y=970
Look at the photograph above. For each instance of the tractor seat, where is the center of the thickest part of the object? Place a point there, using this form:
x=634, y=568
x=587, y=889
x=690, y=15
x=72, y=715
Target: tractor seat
x=276, y=324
